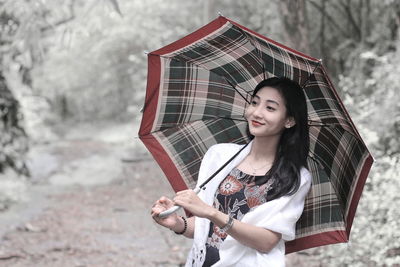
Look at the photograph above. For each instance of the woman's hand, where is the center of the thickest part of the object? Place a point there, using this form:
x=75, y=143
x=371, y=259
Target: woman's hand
x=172, y=221
x=189, y=200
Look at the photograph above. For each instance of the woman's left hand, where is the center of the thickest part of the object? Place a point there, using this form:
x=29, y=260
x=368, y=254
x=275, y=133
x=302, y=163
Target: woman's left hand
x=189, y=200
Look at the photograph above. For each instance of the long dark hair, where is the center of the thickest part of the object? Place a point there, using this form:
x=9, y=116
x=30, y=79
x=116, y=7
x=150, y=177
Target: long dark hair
x=294, y=143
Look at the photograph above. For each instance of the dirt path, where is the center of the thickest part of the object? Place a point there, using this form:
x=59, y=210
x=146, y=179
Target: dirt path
x=89, y=205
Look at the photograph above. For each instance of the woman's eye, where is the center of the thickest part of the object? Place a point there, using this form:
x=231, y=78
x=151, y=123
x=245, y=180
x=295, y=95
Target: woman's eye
x=253, y=103
x=270, y=108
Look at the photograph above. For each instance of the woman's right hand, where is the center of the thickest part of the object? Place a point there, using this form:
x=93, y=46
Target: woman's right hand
x=172, y=221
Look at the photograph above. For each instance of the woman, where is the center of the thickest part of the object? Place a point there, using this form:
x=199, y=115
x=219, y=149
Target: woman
x=250, y=208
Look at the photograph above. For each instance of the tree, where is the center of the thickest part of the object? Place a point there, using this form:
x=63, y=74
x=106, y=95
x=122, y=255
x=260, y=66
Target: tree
x=13, y=139
x=294, y=17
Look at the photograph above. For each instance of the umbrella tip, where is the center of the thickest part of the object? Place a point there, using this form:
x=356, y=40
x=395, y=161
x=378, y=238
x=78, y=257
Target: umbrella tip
x=146, y=52
x=220, y=14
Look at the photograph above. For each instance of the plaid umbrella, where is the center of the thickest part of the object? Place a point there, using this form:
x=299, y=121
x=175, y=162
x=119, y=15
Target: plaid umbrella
x=197, y=90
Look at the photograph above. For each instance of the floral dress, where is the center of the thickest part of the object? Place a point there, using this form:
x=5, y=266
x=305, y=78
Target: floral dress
x=236, y=195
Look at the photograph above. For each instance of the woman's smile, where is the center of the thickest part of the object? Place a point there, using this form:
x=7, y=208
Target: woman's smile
x=256, y=123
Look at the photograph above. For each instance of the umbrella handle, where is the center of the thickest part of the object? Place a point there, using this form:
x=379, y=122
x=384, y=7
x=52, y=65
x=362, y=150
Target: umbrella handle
x=175, y=208
x=169, y=211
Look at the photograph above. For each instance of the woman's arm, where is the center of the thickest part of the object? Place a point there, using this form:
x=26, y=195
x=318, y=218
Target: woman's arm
x=180, y=226
x=249, y=235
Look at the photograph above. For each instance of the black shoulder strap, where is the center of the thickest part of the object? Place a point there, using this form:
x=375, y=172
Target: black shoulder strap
x=223, y=166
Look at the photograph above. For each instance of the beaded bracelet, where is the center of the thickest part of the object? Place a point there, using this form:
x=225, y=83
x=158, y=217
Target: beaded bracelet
x=184, y=228
x=228, y=225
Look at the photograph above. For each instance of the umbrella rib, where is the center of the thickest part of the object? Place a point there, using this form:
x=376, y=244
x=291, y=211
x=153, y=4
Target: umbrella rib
x=312, y=73
x=175, y=125
x=223, y=76
x=332, y=126
x=313, y=157
x=323, y=124
x=330, y=181
x=258, y=51
x=318, y=123
x=234, y=88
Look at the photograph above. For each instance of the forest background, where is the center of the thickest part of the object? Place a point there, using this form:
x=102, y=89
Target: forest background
x=70, y=62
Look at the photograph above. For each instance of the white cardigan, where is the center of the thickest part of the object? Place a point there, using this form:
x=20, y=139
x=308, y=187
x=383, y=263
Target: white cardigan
x=279, y=215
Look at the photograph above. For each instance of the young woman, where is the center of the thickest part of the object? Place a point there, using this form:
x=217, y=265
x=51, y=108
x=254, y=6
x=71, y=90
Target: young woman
x=250, y=208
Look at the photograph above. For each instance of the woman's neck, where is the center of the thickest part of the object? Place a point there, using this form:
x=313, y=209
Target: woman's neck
x=264, y=149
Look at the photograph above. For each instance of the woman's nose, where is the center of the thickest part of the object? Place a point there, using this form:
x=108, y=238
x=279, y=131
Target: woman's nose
x=257, y=112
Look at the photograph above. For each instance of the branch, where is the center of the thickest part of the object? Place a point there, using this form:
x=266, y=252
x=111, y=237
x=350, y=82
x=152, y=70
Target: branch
x=63, y=21
x=115, y=5
x=58, y=23
x=248, y=10
x=339, y=8
x=351, y=19
x=322, y=30
x=330, y=19
x=344, y=10
x=360, y=15
x=365, y=21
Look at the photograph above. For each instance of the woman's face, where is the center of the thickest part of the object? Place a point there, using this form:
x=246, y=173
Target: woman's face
x=266, y=113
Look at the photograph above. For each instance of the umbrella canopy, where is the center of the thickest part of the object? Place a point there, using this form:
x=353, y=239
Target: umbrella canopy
x=197, y=90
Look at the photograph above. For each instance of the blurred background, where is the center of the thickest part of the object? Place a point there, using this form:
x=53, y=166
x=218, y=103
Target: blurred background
x=76, y=183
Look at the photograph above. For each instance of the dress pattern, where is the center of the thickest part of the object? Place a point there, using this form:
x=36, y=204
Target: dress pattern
x=236, y=195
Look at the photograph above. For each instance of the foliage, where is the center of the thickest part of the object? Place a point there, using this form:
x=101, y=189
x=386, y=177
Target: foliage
x=377, y=100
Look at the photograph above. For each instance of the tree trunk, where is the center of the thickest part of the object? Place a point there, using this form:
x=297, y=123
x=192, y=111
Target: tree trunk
x=294, y=18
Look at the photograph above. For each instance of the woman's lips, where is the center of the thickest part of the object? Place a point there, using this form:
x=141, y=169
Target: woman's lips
x=256, y=123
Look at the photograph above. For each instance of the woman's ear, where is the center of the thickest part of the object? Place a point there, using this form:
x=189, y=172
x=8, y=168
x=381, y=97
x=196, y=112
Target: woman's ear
x=290, y=122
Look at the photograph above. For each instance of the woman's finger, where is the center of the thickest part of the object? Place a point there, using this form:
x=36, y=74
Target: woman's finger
x=156, y=211
x=164, y=202
x=183, y=192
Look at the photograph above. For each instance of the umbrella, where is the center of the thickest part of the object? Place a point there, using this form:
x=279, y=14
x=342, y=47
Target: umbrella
x=197, y=90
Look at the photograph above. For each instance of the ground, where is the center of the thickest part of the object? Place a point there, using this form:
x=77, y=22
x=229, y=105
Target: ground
x=89, y=204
